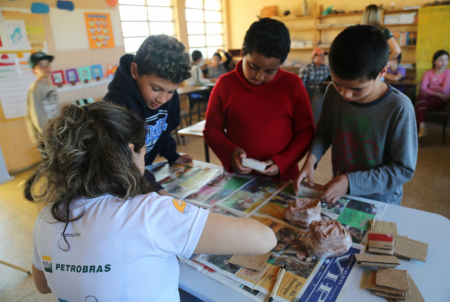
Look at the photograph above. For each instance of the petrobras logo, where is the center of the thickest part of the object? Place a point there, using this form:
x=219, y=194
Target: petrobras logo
x=47, y=262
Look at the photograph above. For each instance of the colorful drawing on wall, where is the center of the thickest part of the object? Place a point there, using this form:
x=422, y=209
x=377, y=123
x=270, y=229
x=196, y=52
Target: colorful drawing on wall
x=97, y=72
x=39, y=8
x=72, y=76
x=58, y=78
x=84, y=73
x=67, y=5
x=111, y=71
x=16, y=35
x=99, y=30
x=34, y=27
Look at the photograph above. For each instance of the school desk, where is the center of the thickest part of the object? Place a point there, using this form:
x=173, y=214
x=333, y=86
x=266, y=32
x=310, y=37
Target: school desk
x=431, y=277
x=203, y=90
x=196, y=130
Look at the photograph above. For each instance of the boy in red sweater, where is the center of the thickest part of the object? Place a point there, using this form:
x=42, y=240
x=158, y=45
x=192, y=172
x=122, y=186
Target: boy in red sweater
x=258, y=110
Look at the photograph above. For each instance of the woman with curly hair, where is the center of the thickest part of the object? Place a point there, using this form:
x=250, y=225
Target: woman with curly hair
x=146, y=83
x=104, y=233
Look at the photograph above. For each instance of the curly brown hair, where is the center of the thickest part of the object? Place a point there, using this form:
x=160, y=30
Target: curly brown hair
x=85, y=153
x=164, y=56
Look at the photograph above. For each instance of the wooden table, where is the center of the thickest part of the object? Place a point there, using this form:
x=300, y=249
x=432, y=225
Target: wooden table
x=196, y=130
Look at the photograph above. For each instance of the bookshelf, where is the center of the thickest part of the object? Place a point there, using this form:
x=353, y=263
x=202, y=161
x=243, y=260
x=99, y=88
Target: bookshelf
x=325, y=35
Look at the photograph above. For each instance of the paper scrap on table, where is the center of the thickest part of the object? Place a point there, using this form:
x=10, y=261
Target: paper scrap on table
x=255, y=263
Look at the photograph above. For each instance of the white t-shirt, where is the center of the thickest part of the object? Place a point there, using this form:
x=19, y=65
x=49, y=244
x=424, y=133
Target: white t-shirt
x=119, y=250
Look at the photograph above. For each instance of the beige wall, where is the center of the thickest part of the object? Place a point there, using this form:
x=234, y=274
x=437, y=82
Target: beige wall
x=19, y=152
x=243, y=13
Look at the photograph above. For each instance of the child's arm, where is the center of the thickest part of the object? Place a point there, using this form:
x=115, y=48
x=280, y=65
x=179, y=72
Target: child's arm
x=401, y=159
x=443, y=91
x=394, y=77
x=303, y=132
x=214, y=132
x=320, y=144
x=424, y=85
x=197, y=74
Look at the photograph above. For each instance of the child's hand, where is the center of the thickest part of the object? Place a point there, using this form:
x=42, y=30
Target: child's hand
x=184, y=159
x=441, y=96
x=236, y=161
x=307, y=171
x=335, y=189
x=272, y=168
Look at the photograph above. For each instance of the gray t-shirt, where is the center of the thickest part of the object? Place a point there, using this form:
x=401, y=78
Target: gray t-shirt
x=375, y=144
x=42, y=102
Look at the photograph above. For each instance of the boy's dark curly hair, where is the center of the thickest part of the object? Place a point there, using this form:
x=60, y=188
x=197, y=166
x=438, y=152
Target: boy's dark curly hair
x=359, y=52
x=164, y=56
x=268, y=37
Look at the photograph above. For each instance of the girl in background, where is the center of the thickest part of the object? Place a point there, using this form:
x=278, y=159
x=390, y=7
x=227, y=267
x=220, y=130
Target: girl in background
x=434, y=90
x=372, y=16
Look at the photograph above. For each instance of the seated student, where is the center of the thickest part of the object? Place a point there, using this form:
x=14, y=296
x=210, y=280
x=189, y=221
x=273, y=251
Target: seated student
x=313, y=75
x=146, y=83
x=258, y=110
x=434, y=90
x=217, y=68
x=103, y=232
x=396, y=73
x=197, y=77
x=42, y=102
x=369, y=125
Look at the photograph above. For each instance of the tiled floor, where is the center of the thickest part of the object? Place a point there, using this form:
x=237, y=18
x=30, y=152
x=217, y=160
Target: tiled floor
x=429, y=191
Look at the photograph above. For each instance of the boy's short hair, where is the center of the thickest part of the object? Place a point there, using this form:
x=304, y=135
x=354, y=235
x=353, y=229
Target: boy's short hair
x=164, y=56
x=268, y=37
x=359, y=52
x=195, y=55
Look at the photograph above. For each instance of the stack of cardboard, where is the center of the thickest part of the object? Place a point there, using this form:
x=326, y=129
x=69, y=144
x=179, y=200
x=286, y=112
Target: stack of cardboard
x=395, y=285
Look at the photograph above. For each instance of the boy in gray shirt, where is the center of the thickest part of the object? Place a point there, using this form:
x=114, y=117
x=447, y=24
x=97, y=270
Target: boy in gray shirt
x=369, y=124
x=42, y=102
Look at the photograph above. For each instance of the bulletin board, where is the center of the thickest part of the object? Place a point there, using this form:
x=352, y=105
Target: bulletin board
x=433, y=35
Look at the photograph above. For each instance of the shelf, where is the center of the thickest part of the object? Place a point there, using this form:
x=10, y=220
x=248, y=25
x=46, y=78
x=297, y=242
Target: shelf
x=399, y=25
x=296, y=18
x=303, y=48
x=339, y=15
x=333, y=27
x=408, y=46
x=400, y=11
x=301, y=29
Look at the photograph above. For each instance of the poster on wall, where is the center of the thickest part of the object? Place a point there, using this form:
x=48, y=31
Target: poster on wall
x=34, y=27
x=99, y=30
x=16, y=35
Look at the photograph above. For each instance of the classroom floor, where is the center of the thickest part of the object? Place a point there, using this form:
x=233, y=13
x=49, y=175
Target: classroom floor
x=429, y=190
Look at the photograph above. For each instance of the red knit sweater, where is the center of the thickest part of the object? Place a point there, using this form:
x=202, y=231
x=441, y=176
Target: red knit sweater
x=271, y=121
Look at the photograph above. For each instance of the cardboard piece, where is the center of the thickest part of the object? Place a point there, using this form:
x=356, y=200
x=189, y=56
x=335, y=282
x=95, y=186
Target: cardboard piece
x=413, y=295
x=408, y=248
x=386, y=295
x=376, y=261
x=308, y=192
x=371, y=285
x=382, y=241
x=393, y=278
x=255, y=263
x=375, y=250
x=384, y=227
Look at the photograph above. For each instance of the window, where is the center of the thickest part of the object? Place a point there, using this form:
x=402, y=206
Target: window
x=204, y=26
x=141, y=18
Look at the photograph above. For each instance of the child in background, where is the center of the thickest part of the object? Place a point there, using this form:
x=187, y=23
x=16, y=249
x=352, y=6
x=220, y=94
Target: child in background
x=313, y=75
x=434, y=90
x=146, y=83
x=369, y=125
x=258, y=110
x=396, y=73
x=103, y=229
x=42, y=101
x=197, y=77
x=217, y=68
